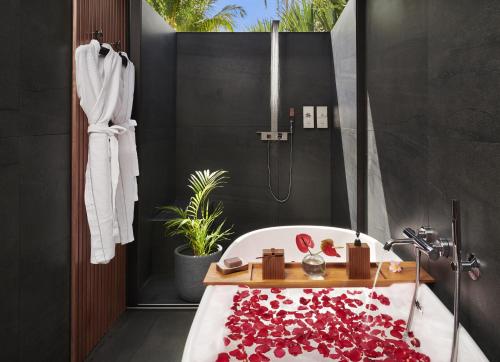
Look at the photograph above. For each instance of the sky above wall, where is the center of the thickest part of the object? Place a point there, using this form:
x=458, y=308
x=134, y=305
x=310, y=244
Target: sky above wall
x=255, y=9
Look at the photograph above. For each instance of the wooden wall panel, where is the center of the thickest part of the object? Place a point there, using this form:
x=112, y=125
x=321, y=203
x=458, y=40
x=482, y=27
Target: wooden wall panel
x=97, y=291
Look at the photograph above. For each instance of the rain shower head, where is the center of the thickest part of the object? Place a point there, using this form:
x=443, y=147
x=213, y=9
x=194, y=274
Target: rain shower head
x=274, y=134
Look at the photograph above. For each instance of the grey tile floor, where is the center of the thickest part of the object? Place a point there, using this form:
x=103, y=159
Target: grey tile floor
x=160, y=289
x=145, y=336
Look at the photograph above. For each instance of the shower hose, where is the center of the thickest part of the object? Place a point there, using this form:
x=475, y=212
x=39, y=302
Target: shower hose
x=276, y=197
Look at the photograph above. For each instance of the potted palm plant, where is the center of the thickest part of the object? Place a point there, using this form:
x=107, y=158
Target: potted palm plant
x=201, y=225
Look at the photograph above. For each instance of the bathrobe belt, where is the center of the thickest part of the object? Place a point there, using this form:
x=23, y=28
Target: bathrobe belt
x=111, y=132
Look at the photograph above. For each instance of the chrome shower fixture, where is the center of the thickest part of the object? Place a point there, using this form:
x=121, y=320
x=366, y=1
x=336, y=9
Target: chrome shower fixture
x=274, y=134
x=426, y=241
x=471, y=266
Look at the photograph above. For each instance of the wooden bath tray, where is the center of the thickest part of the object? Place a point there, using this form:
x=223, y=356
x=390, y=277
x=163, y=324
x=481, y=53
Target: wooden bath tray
x=336, y=276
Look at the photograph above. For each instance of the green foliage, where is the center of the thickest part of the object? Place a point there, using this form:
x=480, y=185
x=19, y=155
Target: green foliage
x=197, y=15
x=262, y=26
x=305, y=16
x=197, y=222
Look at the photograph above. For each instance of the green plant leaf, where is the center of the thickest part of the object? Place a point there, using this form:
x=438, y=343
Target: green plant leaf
x=199, y=221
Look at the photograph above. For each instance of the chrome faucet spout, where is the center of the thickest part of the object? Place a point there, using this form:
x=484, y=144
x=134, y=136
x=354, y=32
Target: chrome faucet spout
x=420, y=240
x=388, y=245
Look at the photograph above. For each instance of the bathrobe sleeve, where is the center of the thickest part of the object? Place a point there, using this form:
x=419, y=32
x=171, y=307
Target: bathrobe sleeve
x=129, y=169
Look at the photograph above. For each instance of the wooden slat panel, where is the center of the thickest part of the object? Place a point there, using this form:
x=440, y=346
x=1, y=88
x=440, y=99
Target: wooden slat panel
x=97, y=291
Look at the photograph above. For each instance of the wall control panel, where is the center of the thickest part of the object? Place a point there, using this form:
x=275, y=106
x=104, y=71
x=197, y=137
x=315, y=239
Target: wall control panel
x=322, y=116
x=315, y=116
x=308, y=116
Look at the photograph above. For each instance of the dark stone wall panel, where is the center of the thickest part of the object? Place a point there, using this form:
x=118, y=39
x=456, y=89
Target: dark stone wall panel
x=433, y=84
x=153, y=50
x=35, y=116
x=223, y=100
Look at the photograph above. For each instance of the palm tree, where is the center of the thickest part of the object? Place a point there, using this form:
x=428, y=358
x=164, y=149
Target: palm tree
x=305, y=16
x=261, y=26
x=197, y=15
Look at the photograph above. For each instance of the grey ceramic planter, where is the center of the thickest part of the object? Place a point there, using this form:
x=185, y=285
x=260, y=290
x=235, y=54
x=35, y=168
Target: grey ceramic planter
x=190, y=271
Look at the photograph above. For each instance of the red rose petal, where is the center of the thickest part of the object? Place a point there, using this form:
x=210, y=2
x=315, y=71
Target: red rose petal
x=254, y=358
x=415, y=342
x=344, y=343
x=354, y=354
x=330, y=326
x=263, y=348
x=304, y=301
x=396, y=333
x=238, y=354
x=222, y=357
x=294, y=349
x=279, y=352
x=264, y=358
x=401, y=354
x=323, y=350
x=372, y=307
x=248, y=340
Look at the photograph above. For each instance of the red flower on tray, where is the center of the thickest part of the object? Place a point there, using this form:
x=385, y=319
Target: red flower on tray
x=323, y=323
x=305, y=243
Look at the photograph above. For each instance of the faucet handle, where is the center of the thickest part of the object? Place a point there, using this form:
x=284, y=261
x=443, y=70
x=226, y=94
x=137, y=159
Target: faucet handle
x=422, y=243
x=471, y=266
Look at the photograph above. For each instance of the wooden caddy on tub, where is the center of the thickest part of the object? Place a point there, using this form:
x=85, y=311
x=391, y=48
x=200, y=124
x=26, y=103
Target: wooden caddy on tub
x=273, y=263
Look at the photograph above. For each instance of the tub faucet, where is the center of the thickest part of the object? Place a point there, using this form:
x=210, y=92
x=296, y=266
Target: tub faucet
x=425, y=240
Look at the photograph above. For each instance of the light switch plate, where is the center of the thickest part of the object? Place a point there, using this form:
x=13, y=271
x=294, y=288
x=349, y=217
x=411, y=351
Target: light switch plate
x=322, y=116
x=308, y=116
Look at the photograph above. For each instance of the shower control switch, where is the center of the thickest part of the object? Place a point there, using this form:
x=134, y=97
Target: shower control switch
x=273, y=136
x=322, y=116
x=308, y=116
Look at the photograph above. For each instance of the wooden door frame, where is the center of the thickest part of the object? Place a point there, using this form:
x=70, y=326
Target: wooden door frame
x=97, y=291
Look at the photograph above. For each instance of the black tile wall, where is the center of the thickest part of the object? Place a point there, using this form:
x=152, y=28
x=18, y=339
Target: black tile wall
x=153, y=47
x=223, y=100
x=343, y=38
x=35, y=119
x=433, y=81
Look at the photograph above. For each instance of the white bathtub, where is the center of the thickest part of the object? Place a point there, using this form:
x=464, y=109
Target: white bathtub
x=434, y=327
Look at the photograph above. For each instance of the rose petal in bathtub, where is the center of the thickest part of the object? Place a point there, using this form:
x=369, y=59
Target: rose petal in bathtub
x=222, y=357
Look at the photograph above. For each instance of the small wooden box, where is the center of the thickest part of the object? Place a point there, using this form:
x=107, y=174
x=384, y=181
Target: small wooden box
x=273, y=264
x=358, y=261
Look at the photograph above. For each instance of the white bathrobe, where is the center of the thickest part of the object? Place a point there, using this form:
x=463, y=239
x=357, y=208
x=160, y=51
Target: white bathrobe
x=126, y=193
x=98, y=86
